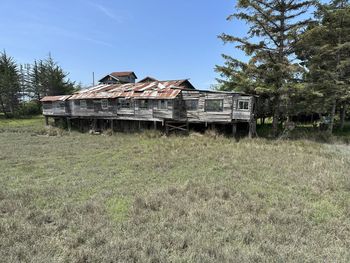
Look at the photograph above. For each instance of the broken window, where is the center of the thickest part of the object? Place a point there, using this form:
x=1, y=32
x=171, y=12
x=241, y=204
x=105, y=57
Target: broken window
x=214, y=105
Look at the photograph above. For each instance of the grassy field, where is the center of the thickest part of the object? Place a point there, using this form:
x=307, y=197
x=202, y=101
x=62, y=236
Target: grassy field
x=148, y=198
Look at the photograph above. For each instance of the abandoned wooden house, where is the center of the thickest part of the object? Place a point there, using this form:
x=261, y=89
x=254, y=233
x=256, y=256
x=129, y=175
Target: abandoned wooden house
x=119, y=102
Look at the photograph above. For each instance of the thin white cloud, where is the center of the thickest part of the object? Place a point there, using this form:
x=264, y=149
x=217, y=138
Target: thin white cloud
x=107, y=12
x=59, y=31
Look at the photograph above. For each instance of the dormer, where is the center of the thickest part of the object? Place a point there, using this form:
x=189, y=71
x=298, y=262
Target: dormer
x=119, y=78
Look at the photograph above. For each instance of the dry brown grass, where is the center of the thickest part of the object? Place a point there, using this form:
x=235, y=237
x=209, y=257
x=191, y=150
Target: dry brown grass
x=148, y=198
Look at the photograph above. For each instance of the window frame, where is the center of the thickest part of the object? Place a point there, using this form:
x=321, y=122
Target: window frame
x=192, y=108
x=83, y=104
x=47, y=105
x=61, y=105
x=146, y=106
x=104, y=104
x=245, y=102
x=165, y=105
x=221, y=101
x=122, y=102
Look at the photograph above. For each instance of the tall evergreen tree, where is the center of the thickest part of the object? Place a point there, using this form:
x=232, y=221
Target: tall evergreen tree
x=9, y=84
x=325, y=49
x=47, y=78
x=270, y=44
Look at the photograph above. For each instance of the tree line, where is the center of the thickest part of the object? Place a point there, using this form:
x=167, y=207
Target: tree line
x=298, y=59
x=22, y=86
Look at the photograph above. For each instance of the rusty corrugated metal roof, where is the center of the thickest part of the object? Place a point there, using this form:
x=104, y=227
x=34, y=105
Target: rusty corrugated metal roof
x=168, y=89
x=55, y=98
x=150, y=90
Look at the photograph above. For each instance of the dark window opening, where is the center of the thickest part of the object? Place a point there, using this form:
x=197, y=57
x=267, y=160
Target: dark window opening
x=243, y=105
x=125, y=104
x=104, y=104
x=191, y=104
x=214, y=105
x=144, y=104
x=47, y=105
x=162, y=104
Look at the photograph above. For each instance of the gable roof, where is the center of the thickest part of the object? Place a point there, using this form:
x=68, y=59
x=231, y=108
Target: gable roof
x=117, y=75
x=123, y=74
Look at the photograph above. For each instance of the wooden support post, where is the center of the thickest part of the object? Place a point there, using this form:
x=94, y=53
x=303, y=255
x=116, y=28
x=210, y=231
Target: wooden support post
x=94, y=124
x=252, y=128
x=188, y=127
x=139, y=125
x=166, y=129
x=234, y=129
x=155, y=125
x=112, y=125
x=46, y=121
x=69, y=124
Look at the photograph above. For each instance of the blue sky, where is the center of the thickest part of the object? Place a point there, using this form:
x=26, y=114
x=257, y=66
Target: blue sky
x=161, y=38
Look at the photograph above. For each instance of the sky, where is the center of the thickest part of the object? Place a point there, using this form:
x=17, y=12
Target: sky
x=159, y=38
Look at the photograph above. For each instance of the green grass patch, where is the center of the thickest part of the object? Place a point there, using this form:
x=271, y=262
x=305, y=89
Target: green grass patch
x=118, y=208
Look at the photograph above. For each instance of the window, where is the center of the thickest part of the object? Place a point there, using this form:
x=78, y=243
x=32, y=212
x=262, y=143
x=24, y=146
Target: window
x=47, y=105
x=125, y=103
x=104, y=104
x=214, y=105
x=90, y=105
x=191, y=104
x=162, y=105
x=144, y=104
x=243, y=105
x=62, y=105
x=83, y=104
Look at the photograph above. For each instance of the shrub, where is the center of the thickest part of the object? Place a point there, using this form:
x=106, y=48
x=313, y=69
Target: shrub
x=29, y=108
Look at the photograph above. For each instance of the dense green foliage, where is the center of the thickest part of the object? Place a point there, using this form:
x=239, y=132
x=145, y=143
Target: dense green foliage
x=9, y=84
x=22, y=86
x=325, y=51
x=298, y=63
x=146, y=198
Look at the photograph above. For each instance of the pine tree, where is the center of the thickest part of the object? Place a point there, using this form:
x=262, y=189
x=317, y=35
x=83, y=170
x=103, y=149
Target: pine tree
x=270, y=44
x=9, y=84
x=325, y=49
x=47, y=78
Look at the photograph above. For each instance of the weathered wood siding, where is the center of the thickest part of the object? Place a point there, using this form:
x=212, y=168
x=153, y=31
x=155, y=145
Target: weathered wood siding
x=56, y=108
x=114, y=110
x=243, y=114
x=166, y=113
x=211, y=107
x=201, y=114
x=93, y=108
